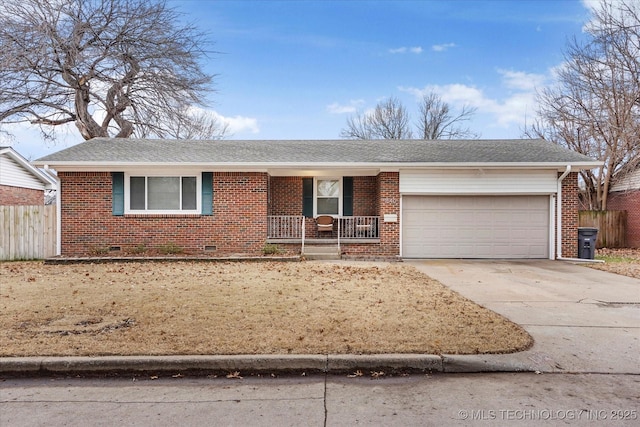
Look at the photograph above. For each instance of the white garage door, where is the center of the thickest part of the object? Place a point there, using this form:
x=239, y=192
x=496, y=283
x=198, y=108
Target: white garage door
x=475, y=226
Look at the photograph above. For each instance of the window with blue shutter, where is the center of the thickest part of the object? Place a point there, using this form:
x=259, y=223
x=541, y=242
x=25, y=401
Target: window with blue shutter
x=307, y=197
x=207, y=193
x=117, y=193
x=347, y=196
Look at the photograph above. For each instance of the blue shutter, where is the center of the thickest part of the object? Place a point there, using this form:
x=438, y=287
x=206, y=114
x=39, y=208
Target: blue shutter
x=117, y=193
x=347, y=196
x=207, y=193
x=307, y=197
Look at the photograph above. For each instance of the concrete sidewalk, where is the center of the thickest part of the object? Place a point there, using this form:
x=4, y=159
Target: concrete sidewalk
x=582, y=321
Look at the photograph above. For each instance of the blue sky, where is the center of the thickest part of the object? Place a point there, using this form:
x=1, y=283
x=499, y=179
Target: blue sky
x=298, y=69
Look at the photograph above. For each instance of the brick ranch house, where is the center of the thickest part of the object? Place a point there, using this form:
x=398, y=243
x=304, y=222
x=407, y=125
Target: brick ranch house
x=625, y=196
x=400, y=198
x=21, y=184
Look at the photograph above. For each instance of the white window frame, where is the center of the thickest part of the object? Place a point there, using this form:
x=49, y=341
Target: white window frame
x=127, y=193
x=315, y=195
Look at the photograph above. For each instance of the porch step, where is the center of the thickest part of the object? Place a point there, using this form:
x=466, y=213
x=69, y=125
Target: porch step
x=321, y=252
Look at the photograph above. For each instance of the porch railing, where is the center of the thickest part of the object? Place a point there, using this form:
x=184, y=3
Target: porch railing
x=359, y=227
x=285, y=227
x=347, y=227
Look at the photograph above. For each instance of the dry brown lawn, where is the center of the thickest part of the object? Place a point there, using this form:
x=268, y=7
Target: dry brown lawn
x=189, y=308
x=619, y=261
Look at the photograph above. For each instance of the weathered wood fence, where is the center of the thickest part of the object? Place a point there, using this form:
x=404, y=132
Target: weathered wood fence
x=611, y=227
x=27, y=232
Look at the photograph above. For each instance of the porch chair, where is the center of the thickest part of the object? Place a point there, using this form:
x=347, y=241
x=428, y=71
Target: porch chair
x=324, y=223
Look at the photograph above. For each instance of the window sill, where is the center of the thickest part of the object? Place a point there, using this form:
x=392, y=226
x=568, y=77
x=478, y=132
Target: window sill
x=163, y=215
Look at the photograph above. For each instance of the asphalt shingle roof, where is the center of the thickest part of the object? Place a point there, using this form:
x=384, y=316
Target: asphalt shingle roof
x=122, y=151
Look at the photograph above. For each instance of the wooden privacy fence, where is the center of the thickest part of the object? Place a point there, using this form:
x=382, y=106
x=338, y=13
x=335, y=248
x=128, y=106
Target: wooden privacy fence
x=27, y=232
x=611, y=227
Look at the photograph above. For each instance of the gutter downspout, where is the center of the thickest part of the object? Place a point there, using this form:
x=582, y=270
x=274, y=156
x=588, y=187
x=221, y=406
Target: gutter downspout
x=58, y=210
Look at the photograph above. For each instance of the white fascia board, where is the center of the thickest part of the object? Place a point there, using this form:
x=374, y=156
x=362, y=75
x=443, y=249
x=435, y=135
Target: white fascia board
x=48, y=181
x=119, y=166
x=75, y=166
x=496, y=165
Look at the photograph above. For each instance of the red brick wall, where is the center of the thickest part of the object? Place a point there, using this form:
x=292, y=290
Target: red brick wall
x=18, y=196
x=389, y=203
x=238, y=223
x=628, y=201
x=365, y=196
x=285, y=195
x=570, y=216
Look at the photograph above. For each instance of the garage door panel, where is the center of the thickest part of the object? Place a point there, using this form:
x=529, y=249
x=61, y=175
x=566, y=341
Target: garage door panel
x=475, y=226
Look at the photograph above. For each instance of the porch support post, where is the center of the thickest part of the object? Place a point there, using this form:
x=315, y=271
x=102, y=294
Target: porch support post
x=304, y=232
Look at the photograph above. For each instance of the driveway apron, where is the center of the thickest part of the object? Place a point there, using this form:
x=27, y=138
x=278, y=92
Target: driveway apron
x=582, y=320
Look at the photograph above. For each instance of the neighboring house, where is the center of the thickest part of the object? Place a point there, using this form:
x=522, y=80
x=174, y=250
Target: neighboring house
x=625, y=196
x=389, y=198
x=21, y=184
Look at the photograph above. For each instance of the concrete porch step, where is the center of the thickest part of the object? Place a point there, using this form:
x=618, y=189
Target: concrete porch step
x=321, y=252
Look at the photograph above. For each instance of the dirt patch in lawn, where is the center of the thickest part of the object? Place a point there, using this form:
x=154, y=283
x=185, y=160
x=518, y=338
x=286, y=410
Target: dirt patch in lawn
x=240, y=308
x=619, y=261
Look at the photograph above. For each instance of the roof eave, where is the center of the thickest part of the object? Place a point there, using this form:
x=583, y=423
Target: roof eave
x=82, y=166
x=48, y=181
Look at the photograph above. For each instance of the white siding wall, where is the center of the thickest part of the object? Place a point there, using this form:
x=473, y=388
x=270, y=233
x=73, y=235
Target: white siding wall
x=630, y=182
x=484, y=181
x=13, y=174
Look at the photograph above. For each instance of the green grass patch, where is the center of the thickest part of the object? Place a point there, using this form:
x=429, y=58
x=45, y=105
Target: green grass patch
x=615, y=259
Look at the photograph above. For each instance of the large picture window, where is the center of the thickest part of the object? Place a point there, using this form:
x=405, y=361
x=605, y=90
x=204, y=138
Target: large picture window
x=163, y=194
x=327, y=196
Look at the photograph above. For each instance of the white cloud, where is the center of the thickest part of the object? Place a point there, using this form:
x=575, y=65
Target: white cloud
x=591, y=4
x=404, y=49
x=513, y=108
x=351, y=107
x=398, y=50
x=520, y=80
x=626, y=13
x=442, y=47
x=238, y=124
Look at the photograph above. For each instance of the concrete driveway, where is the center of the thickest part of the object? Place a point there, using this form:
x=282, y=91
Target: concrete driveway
x=582, y=320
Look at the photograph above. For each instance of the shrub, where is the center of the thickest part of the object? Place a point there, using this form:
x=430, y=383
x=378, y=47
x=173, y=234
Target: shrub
x=270, y=249
x=171, y=248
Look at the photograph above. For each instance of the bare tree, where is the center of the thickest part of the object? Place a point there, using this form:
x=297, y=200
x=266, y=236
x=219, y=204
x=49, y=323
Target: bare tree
x=595, y=107
x=105, y=65
x=191, y=123
x=437, y=121
x=357, y=127
x=389, y=120
x=203, y=125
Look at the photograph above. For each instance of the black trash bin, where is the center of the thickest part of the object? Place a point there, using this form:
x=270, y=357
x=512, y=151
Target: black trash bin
x=587, y=242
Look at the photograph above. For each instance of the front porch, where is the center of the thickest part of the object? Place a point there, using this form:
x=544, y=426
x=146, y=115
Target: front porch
x=346, y=229
x=353, y=234
x=357, y=210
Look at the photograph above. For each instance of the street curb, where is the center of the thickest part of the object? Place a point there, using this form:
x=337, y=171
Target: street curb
x=347, y=363
x=257, y=364
x=484, y=363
